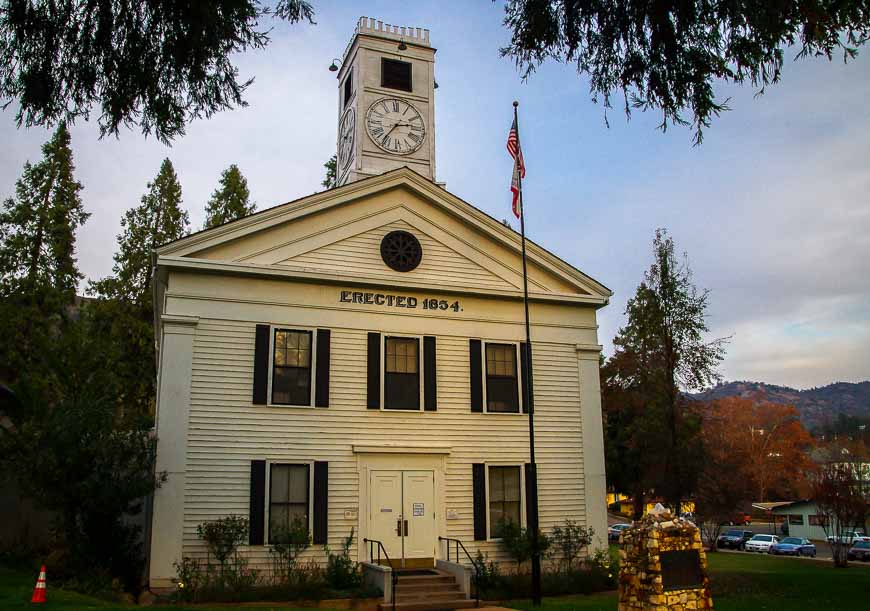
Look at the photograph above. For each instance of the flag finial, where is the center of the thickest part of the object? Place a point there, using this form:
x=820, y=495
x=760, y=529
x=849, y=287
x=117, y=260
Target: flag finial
x=516, y=103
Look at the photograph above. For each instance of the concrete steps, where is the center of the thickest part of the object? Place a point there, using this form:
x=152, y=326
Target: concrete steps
x=436, y=592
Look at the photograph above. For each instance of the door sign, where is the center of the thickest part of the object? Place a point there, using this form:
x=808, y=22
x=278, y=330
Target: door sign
x=418, y=509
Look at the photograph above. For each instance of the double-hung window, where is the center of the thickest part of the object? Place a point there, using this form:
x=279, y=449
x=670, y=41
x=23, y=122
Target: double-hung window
x=502, y=388
x=505, y=498
x=288, y=500
x=402, y=373
x=291, y=367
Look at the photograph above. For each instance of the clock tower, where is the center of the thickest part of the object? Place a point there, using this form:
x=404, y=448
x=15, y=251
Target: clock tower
x=386, y=102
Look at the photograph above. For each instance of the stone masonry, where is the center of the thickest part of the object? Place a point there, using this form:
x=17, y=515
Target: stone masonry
x=656, y=540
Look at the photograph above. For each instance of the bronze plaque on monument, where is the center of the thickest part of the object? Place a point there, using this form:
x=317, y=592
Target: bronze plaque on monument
x=681, y=569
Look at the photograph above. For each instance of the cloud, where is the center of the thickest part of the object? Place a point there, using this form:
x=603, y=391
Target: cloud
x=772, y=208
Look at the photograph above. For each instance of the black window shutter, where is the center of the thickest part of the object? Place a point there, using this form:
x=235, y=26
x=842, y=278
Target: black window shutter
x=321, y=503
x=527, y=378
x=478, y=473
x=321, y=375
x=257, y=511
x=476, y=375
x=261, y=365
x=531, y=493
x=374, y=372
x=430, y=385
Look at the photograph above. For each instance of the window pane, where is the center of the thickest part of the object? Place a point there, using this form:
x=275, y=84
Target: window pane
x=277, y=521
x=496, y=519
x=291, y=386
x=288, y=498
x=402, y=391
x=502, y=395
x=504, y=497
x=501, y=360
x=496, y=484
x=291, y=371
x=278, y=484
x=298, y=486
x=402, y=355
x=512, y=484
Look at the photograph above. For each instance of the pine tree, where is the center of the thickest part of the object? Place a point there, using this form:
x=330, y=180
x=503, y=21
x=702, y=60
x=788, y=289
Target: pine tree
x=125, y=310
x=38, y=270
x=653, y=430
x=230, y=201
x=157, y=220
x=329, y=181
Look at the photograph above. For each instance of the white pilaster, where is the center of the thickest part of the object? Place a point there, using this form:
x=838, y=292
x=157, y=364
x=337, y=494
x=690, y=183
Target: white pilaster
x=173, y=407
x=593, y=442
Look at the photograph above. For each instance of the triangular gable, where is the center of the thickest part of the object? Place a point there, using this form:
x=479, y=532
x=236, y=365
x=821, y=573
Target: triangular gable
x=360, y=254
x=463, y=247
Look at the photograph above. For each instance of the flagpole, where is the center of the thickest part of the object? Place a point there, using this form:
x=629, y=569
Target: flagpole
x=529, y=400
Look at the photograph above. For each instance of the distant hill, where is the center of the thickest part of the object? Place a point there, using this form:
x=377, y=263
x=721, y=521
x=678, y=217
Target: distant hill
x=816, y=405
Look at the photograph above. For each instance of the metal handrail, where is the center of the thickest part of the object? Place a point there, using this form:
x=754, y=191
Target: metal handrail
x=477, y=567
x=394, y=576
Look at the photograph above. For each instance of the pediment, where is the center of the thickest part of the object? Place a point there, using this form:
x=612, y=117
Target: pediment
x=337, y=234
x=360, y=254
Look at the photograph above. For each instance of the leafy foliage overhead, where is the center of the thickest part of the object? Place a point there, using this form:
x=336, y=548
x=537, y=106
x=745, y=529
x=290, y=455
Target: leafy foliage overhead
x=152, y=64
x=668, y=54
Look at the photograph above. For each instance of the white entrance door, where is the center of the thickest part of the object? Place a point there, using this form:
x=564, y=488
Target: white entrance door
x=385, y=511
x=418, y=506
x=402, y=513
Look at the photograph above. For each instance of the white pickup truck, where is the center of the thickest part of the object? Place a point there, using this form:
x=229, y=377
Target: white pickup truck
x=849, y=537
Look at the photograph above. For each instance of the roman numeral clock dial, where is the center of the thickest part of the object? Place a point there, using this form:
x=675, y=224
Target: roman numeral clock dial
x=395, y=126
x=345, y=138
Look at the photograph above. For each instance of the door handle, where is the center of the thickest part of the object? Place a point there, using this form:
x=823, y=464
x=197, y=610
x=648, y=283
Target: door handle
x=406, y=528
x=399, y=528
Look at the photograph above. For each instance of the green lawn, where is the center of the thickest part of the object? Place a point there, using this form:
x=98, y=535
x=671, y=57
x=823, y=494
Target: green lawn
x=16, y=588
x=740, y=581
x=744, y=581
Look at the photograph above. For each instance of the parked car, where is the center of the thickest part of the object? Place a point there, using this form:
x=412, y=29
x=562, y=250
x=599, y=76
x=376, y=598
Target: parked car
x=860, y=551
x=849, y=537
x=614, y=530
x=761, y=543
x=734, y=539
x=793, y=546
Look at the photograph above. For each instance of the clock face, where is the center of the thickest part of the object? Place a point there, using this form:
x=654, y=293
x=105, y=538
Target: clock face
x=395, y=126
x=346, y=131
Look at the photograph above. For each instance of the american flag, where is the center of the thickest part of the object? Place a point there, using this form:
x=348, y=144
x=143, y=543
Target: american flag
x=513, y=147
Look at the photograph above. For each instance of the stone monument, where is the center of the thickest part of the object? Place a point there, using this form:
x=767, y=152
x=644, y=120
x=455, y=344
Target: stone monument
x=663, y=565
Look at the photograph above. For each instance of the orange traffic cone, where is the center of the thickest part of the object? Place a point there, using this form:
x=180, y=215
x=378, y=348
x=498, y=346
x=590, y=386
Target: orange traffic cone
x=39, y=590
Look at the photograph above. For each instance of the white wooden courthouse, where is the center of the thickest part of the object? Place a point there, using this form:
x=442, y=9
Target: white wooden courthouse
x=353, y=358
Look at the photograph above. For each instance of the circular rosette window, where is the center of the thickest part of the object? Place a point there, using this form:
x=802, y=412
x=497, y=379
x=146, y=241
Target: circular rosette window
x=401, y=251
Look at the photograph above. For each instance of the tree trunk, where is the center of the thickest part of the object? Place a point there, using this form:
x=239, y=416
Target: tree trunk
x=637, y=506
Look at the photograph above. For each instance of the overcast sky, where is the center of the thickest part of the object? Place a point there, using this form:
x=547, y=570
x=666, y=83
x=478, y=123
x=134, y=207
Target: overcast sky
x=773, y=209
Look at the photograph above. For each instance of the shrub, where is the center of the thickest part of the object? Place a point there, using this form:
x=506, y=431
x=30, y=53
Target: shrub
x=569, y=540
x=518, y=543
x=189, y=578
x=342, y=572
x=286, y=546
x=223, y=536
x=605, y=565
x=488, y=574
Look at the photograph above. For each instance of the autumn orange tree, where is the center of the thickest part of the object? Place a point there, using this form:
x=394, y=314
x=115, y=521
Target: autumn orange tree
x=725, y=481
x=779, y=451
